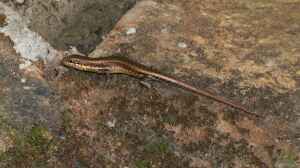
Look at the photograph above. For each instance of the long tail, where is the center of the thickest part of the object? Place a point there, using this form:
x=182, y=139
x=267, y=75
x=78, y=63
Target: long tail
x=204, y=93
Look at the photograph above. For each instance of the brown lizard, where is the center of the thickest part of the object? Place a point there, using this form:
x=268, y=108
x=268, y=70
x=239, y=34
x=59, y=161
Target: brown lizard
x=120, y=65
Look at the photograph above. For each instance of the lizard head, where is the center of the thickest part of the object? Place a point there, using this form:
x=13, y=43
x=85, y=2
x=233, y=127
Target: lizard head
x=84, y=63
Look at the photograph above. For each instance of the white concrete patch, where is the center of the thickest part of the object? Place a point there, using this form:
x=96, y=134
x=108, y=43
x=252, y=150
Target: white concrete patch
x=27, y=43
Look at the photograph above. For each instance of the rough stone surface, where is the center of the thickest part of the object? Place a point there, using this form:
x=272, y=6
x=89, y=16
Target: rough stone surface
x=247, y=51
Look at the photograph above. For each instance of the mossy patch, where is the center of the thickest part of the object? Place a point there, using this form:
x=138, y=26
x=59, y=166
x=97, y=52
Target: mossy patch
x=142, y=164
x=287, y=159
x=159, y=147
x=31, y=149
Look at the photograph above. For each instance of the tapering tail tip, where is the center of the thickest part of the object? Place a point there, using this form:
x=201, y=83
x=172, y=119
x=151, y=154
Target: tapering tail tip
x=250, y=113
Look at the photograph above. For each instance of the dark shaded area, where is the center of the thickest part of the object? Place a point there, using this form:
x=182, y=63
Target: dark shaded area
x=78, y=23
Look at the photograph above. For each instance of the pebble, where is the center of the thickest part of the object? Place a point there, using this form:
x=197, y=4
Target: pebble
x=111, y=124
x=23, y=80
x=20, y=1
x=182, y=45
x=131, y=30
x=25, y=64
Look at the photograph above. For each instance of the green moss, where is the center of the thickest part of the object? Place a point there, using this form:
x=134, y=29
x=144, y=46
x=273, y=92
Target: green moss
x=159, y=147
x=288, y=159
x=142, y=164
x=170, y=119
x=33, y=149
x=67, y=121
x=39, y=138
x=4, y=118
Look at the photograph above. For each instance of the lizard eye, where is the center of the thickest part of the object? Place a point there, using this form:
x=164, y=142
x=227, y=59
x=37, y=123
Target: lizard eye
x=73, y=61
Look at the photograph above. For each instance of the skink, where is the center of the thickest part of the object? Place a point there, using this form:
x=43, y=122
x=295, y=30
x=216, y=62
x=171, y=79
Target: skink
x=121, y=65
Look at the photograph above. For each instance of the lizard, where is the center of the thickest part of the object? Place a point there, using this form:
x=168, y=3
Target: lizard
x=116, y=64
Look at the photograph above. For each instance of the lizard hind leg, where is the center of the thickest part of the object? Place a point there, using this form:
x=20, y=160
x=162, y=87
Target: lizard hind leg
x=145, y=82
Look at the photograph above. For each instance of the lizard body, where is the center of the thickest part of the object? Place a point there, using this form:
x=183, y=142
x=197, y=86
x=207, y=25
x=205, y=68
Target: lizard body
x=122, y=65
